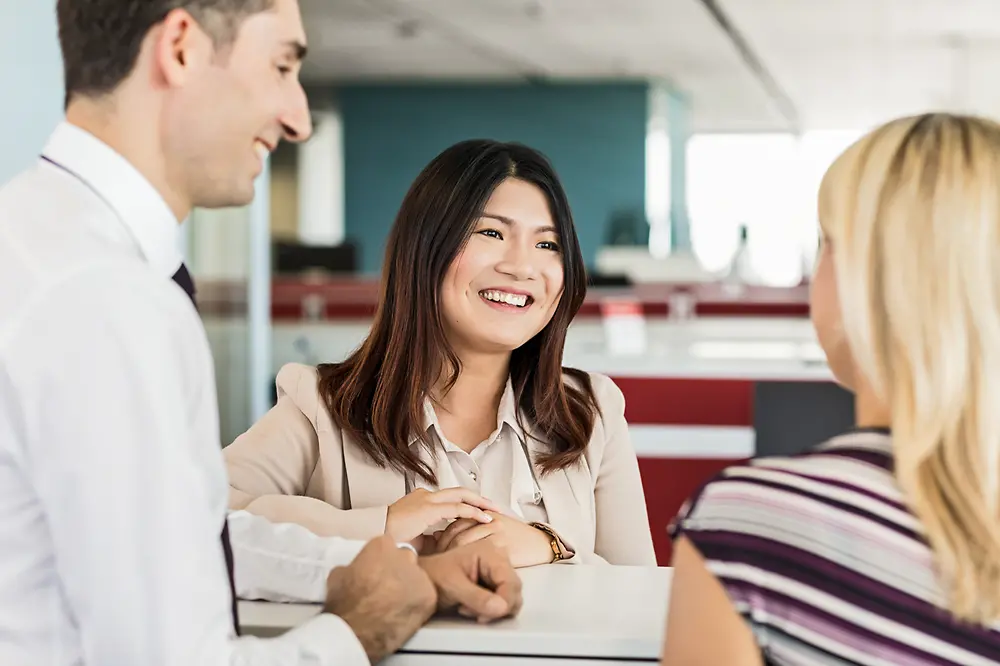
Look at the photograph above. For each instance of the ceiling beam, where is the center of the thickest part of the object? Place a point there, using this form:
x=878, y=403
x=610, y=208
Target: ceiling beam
x=773, y=89
x=515, y=62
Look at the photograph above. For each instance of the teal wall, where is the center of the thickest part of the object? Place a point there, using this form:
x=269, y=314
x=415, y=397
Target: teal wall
x=595, y=135
x=31, y=81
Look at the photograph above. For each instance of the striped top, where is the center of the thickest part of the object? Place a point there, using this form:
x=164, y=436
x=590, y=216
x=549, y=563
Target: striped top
x=820, y=555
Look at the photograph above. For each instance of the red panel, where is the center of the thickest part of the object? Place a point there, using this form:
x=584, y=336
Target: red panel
x=352, y=297
x=591, y=309
x=692, y=402
x=667, y=484
x=749, y=309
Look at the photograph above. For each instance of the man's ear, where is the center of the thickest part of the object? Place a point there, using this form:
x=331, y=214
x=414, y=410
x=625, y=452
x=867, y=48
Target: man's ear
x=179, y=46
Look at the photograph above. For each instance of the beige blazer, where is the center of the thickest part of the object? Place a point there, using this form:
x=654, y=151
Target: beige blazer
x=296, y=465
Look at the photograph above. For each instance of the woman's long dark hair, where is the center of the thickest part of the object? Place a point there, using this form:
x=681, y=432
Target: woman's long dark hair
x=377, y=395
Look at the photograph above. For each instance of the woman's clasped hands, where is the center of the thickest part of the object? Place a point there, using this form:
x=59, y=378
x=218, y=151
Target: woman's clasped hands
x=412, y=515
x=471, y=518
x=527, y=545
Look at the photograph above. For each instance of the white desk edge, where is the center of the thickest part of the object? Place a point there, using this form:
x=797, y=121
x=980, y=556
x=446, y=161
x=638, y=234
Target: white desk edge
x=533, y=633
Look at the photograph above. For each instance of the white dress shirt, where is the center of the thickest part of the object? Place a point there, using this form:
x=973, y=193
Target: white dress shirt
x=112, y=483
x=284, y=561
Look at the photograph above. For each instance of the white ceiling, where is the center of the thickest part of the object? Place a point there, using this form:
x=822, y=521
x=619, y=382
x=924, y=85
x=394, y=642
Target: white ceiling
x=840, y=63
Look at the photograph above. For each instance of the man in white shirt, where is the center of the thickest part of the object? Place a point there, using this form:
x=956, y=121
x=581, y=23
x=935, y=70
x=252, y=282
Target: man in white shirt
x=112, y=485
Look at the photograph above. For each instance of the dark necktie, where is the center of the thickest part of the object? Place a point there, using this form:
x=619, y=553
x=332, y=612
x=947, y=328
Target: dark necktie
x=183, y=278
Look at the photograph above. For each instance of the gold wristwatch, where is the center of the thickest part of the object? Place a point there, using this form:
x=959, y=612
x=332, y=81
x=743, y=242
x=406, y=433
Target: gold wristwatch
x=558, y=551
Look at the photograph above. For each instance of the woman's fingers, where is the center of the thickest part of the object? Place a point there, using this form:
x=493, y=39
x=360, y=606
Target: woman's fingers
x=456, y=511
x=465, y=496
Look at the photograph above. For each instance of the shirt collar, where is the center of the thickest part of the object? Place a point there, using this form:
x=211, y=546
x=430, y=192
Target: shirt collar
x=508, y=410
x=506, y=414
x=873, y=445
x=133, y=198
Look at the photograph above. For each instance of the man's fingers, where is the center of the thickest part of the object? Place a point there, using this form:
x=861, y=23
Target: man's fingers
x=472, y=535
x=510, y=592
x=497, y=573
x=482, y=619
x=448, y=535
x=465, y=496
x=476, y=601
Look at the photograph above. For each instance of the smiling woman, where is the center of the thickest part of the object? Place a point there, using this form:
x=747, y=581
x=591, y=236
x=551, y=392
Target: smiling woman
x=455, y=420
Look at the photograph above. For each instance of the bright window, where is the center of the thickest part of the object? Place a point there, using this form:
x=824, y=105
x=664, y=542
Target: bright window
x=766, y=182
x=658, y=191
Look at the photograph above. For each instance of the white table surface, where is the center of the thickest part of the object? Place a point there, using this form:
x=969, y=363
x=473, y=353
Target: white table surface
x=570, y=611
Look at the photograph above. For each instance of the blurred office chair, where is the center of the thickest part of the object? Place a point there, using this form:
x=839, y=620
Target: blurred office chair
x=793, y=416
x=608, y=280
x=627, y=227
x=296, y=258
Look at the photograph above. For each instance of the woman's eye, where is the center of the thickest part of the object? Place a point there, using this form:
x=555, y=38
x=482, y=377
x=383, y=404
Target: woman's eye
x=549, y=245
x=492, y=233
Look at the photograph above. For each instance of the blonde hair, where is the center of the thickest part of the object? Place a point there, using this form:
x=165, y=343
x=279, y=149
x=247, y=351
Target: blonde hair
x=913, y=214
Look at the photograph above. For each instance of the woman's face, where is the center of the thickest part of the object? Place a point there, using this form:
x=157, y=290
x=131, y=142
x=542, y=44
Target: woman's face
x=826, y=317
x=505, y=285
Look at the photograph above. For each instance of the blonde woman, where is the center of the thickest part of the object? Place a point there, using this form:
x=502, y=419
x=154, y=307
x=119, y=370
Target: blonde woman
x=881, y=546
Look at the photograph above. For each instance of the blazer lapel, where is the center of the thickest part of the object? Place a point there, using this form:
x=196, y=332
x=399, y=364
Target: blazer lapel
x=368, y=484
x=567, y=495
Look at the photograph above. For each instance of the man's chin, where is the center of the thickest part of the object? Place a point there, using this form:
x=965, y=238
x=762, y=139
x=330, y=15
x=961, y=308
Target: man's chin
x=233, y=198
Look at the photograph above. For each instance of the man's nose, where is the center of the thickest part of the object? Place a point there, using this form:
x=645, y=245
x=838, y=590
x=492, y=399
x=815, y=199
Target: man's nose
x=296, y=121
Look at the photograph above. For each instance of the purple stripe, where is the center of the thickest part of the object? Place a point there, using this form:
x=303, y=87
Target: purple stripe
x=874, y=458
x=754, y=506
x=819, y=573
x=813, y=570
x=690, y=503
x=788, y=649
x=836, y=504
x=817, y=623
x=793, y=611
x=838, y=483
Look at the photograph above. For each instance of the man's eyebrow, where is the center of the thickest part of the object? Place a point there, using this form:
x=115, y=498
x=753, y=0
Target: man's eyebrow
x=298, y=48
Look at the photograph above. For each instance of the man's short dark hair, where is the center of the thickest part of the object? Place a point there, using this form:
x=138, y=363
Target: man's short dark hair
x=101, y=39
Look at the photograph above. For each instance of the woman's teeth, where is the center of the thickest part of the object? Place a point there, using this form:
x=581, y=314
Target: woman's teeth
x=517, y=300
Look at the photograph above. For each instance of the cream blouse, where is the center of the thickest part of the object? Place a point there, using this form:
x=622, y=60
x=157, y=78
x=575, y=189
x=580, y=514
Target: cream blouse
x=497, y=469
